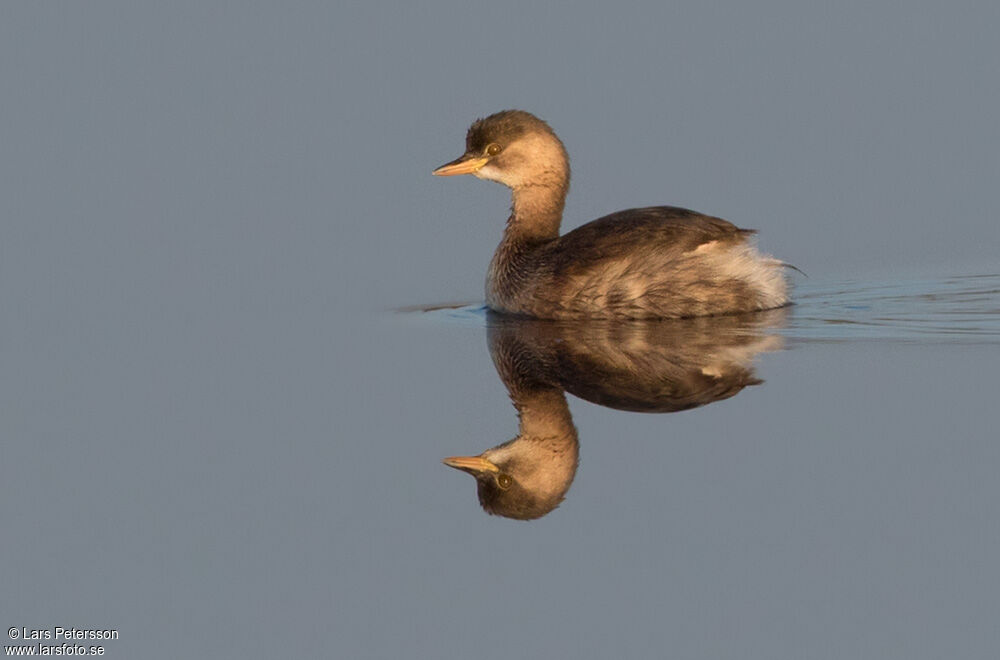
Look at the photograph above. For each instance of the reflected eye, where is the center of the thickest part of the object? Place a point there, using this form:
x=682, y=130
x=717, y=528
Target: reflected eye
x=504, y=481
x=493, y=149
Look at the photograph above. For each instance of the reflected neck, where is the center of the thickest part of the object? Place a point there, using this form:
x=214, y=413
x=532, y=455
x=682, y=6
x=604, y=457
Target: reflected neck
x=544, y=417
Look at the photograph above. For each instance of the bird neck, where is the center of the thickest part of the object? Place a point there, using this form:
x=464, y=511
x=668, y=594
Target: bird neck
x=544, y=418
x=537, y=212
x=547, y=445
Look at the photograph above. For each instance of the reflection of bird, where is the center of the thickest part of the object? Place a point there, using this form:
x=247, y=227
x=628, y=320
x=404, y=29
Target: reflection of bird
x=640, y=366
x=528, y=476
x=657, y=262
x=659, y=366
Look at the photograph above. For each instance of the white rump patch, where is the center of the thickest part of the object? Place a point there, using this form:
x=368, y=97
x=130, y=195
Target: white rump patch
x=705, y=247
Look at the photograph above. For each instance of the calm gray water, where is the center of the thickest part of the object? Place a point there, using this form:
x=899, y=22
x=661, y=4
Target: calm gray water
x=220, y=437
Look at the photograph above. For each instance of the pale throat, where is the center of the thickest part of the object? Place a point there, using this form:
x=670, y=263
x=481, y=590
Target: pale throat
x=537, y=211
x=544, y=415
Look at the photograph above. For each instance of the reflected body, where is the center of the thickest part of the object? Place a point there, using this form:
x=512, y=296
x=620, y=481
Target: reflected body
x=656, y=262
x=651, y=366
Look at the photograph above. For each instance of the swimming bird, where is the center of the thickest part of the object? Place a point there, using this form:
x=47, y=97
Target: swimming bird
x=655, y=262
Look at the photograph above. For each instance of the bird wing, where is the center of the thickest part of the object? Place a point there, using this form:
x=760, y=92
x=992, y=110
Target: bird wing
x=661, y=228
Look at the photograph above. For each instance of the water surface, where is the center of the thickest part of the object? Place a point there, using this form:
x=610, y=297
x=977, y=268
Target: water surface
x=844, y=502
x=217, y=437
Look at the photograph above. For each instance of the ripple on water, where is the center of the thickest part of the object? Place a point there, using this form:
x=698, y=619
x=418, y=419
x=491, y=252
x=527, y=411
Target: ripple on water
x=956, y=309
x=964, y=309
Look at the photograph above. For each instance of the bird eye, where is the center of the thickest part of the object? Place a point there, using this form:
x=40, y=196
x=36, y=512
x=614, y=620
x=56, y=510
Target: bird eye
x=493, y=149
x=504, y=481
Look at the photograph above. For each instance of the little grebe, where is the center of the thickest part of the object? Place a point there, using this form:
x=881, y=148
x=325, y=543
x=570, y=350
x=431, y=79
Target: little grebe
x=656, y=262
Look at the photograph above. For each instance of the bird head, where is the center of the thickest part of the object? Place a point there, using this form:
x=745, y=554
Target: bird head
x=514, y=148
x=524, y=478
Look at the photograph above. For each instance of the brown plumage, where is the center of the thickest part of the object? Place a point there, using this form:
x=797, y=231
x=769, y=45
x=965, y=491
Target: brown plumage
x=643, y=366
x=656, y=262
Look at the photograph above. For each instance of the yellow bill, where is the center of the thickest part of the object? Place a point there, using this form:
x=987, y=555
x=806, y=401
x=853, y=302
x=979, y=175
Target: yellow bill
x=474, y=464
x=463, y=165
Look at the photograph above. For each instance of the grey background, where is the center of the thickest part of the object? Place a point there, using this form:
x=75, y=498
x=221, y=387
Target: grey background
x=217, y=439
